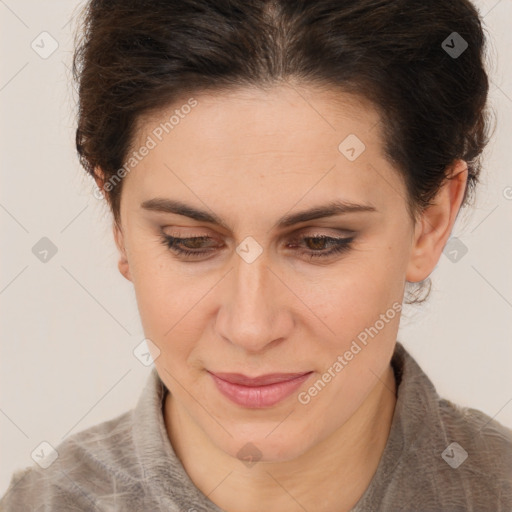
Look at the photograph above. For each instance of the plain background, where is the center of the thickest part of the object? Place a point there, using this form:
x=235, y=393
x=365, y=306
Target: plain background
x=70, y=325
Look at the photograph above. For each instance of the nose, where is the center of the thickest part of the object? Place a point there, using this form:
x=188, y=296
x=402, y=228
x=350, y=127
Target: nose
x=255, y=312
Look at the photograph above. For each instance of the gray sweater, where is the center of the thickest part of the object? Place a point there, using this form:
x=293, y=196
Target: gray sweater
x=438, y=457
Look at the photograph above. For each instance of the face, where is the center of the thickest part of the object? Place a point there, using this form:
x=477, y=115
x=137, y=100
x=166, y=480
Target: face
x=261, y=284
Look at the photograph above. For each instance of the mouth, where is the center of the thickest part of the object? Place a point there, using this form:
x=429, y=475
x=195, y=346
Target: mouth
x=258, y=392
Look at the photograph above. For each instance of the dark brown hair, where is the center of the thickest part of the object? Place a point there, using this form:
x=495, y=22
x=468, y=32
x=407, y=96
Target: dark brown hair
x=134, y=57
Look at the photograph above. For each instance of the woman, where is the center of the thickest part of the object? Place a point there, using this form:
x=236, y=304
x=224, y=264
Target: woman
x=278, y=173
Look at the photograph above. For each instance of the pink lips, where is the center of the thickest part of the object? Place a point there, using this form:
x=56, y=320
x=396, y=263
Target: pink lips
x=258, y=392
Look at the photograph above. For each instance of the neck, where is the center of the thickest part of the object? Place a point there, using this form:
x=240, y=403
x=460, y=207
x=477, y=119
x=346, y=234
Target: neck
x=332, y=475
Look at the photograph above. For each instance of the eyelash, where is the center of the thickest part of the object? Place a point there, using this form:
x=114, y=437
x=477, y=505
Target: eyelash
x=340, y=245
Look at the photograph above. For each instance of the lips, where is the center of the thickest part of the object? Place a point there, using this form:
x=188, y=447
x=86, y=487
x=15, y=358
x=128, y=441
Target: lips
x=258, y=392
x=262, y=380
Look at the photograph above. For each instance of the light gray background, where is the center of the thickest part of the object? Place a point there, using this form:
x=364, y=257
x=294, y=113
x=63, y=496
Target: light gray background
x=74, y=319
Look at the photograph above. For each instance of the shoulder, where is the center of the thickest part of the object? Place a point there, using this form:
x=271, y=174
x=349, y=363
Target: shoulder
x=450, y=457
x=475, y=463
x=485, y=440
x=86, y=465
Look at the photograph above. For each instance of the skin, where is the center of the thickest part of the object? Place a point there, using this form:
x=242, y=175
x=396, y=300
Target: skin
x=250, y=157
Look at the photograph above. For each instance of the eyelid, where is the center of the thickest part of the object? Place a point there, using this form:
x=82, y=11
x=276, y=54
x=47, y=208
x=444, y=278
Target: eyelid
x=326, y=231
x=181, y=234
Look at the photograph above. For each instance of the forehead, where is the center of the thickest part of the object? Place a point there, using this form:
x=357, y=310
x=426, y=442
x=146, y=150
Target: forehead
x=263, y=118
x=247, y=141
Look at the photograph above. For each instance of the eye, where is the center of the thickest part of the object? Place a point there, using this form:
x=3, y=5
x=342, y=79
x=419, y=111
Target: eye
x=192, y=245
x=320, y=246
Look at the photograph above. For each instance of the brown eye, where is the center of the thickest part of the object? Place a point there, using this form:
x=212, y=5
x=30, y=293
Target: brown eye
x=320, y=246
x=191, y=246
x=316, y=245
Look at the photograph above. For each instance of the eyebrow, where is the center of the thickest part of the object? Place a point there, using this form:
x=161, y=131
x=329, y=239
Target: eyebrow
x=331, y=209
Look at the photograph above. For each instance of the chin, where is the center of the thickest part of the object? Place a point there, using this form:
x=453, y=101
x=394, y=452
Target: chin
x=262, y=447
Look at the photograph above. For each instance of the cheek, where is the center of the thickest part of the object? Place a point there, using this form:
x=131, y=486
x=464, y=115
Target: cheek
x=354, y=294
x=362, y=303
x=160, y=291
x=362, y=308
x=171, y=304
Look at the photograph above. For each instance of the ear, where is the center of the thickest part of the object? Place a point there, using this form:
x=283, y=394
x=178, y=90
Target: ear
x=99, y=177
x=435, y=224
x=122, y=264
